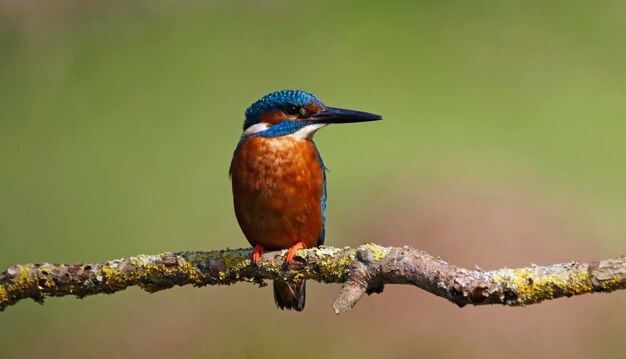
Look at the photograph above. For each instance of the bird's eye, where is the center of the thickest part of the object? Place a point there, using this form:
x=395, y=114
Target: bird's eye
x=292, y=110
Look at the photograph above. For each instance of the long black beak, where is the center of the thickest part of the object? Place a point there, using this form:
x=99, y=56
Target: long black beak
x=338, y=115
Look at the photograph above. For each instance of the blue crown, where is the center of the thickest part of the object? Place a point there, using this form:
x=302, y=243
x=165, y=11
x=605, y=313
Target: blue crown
x=276, y=101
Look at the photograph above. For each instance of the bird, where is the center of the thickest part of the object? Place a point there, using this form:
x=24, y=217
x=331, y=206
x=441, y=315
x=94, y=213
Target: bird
x=279, y=179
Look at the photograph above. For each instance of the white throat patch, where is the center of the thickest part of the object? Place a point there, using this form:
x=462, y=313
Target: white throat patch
x=307, y=131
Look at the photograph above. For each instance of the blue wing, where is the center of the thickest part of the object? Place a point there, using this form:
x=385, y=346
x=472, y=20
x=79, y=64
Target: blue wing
x=320, y=241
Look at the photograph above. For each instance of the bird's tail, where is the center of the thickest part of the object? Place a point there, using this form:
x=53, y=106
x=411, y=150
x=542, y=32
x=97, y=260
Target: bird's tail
x=290, y=296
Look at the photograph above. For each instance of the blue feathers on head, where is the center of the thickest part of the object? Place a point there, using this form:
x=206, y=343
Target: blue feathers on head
x=276, y=101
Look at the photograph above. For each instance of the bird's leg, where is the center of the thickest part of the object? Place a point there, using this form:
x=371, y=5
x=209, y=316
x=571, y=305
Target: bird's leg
x=291, y=253
x=256, y=255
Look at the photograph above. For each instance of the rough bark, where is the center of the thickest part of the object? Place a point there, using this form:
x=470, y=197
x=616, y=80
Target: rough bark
x=365, y=269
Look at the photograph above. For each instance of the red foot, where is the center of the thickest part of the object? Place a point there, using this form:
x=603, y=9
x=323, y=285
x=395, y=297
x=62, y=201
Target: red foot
x=291, y=253
x=256, y=256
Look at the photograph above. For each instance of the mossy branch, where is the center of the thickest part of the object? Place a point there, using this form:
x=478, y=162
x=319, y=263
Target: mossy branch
x=365, y=269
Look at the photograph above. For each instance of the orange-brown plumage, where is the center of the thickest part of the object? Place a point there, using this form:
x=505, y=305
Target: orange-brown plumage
x=279, y=185
x=277, y=190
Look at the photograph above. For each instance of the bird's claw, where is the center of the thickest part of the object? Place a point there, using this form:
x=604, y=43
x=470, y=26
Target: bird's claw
x=291, y=253
x=256, y=255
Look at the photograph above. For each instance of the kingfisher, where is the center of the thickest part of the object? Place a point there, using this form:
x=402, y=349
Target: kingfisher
x=279, y=179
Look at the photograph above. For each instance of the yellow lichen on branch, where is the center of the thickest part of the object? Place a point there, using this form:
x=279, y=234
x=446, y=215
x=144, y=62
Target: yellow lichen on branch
x=361, y=270
x=533, y=287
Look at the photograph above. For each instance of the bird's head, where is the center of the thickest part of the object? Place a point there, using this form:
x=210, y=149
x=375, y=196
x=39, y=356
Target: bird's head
x=296, y=113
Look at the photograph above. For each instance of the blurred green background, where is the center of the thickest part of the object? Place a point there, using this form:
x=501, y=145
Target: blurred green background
x=503, y=144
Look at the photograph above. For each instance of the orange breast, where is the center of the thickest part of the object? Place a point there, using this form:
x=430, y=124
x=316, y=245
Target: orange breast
x=277, y=190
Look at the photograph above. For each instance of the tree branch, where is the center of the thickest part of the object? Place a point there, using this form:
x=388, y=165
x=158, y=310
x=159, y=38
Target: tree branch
x=365, y=269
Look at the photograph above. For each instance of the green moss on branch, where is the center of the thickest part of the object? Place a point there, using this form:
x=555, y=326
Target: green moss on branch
x=365, y=269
